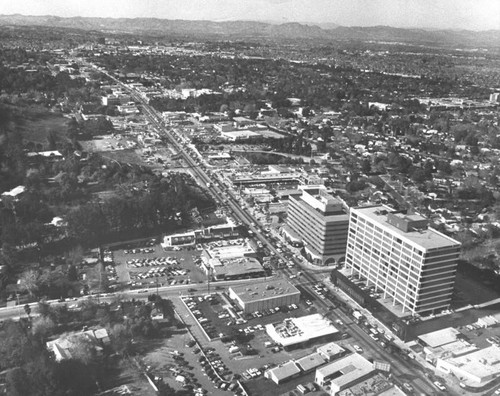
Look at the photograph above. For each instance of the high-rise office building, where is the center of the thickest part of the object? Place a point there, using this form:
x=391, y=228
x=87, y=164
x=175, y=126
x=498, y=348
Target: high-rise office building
x=413, y=265
x=321, y=222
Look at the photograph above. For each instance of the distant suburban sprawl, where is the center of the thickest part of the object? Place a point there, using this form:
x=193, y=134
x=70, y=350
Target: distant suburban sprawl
x=214, y=208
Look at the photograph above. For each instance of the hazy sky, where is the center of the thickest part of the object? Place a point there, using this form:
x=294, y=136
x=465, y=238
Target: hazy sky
x=455, y=14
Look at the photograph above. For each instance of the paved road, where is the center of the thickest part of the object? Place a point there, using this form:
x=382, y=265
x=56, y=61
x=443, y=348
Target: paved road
x=165, y=291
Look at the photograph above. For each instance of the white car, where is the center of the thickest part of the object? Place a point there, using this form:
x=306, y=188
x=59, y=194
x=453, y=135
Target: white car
x=357, y=348
x=439, y=385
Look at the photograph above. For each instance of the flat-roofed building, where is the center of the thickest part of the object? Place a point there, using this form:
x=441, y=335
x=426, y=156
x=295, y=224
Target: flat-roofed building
x=310, y=362
x=414, y=266
x=344, y=373
x=444, y=343
x=474, y=369
x=184, y=239
x=321, y=221
x=298, y=332
x=331, y=351
x=283, y=373
x=237, y=268
x=261, y=296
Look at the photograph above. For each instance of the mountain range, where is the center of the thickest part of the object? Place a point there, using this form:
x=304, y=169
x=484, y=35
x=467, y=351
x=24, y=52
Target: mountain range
x=255, y=30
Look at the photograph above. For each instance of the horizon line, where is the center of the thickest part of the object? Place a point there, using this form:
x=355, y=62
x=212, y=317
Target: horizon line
x=318, y=24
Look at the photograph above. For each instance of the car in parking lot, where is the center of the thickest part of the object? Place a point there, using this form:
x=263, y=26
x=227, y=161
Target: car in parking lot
x=439, y=385
x=357, y=348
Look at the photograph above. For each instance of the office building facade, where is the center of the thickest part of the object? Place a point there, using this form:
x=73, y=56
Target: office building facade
x=412, y=265
x=321, y=222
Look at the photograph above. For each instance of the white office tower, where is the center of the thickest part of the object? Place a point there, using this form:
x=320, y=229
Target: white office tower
x=414, y=266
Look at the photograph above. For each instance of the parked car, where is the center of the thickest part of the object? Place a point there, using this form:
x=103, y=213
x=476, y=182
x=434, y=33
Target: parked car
x=439, y=385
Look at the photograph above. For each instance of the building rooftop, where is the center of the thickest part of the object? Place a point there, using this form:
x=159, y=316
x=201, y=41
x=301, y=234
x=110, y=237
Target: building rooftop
x=261, y=291
x=287, y=370
x=238, y=266
x=330, y=349
x=240, y=134
x=482, y=363
x=440, y=337
x=376, y=385
x=15, y=191
x=310, y=362
x=427, y=238
x=347, y=370
x=297, y=330
x=229, y=252
x=453, y=349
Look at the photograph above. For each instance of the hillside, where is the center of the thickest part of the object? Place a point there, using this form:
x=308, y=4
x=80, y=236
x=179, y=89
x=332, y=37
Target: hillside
x=252, y=29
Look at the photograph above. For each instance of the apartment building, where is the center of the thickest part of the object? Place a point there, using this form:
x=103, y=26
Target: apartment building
x=321, y=222
x=412, y=265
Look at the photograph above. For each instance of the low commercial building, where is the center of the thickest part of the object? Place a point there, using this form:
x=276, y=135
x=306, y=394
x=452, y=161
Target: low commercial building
x=297, y=332
x=238, y=268
x=310, y=362
x=183, y=239
x=261, y=296
x=474, y=369
x=344, y=373
x=331, y=351
x=239, y=135
x=376, y=385
x=439, y=338
x=219, y=231
x=443, y=344
x=283, y=373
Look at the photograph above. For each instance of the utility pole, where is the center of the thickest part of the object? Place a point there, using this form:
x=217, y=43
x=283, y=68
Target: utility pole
x=209, y=276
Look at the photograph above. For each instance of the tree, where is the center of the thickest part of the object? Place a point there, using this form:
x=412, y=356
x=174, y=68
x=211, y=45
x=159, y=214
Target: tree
x=42, y=327
x=72, y=273
x=419, y=176
x=52, y=140
x=29, y=281
x=27, y=309
x=16, y=347
x=76, y=377
x=366, y=167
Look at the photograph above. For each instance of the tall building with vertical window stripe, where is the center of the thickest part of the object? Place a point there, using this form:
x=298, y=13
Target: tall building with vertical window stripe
x=321, y=221
x=414, y=266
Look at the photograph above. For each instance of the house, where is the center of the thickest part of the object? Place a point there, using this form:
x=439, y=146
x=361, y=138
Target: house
x=65, y=346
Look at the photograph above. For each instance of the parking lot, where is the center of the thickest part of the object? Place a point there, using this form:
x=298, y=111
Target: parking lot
x=148, y=265
x=241, y=342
